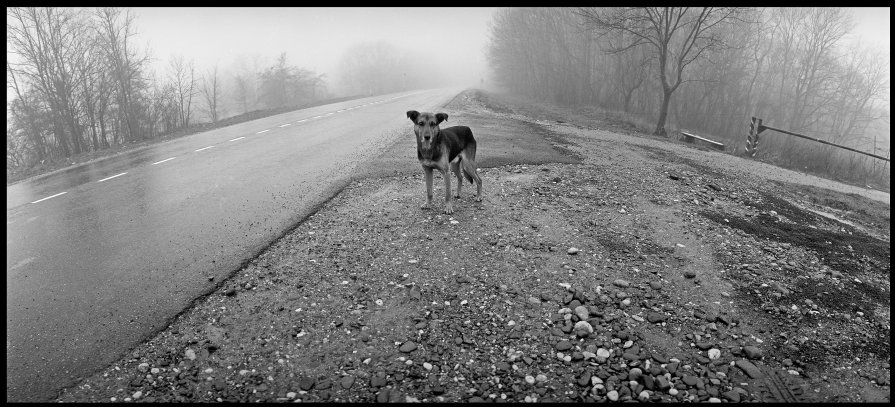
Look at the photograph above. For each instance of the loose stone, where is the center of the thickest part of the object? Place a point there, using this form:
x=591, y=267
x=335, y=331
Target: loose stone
x=582, y=329
x=565, y=345
x=749, y=368
x=407, y=347
x=582, y=312
x=643, y=396
x=752, y=352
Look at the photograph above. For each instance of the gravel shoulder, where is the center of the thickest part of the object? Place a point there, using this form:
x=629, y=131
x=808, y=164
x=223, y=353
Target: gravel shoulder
x=600, y=266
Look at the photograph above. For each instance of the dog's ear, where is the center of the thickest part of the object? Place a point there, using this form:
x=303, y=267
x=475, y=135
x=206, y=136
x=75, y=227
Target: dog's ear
x=412, y=115
x=440, y=117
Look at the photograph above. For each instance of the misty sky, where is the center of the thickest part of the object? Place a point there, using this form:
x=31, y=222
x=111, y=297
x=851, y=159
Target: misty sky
x=315, y=38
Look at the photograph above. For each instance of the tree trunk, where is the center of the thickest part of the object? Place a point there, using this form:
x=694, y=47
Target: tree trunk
x=663, y=114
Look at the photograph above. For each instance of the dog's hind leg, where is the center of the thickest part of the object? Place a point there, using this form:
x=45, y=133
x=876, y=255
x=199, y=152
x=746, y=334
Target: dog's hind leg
x=428, y=203
x=472, y=175
x=455, y=167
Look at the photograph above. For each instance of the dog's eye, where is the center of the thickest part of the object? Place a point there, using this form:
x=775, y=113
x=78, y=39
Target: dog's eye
x=422, y=123
x=432, y=123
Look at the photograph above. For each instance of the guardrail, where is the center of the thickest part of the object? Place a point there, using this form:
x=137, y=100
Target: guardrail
x=755, y=128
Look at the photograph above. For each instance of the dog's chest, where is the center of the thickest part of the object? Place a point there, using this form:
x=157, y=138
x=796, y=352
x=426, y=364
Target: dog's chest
x=431, y=157
x=430, y=163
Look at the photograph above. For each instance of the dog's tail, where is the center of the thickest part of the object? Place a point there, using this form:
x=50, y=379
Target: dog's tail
x=470, y=151
x=467, y=176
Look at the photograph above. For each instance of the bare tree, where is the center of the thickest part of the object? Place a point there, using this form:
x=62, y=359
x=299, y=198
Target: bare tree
x=242, y=89
x=25, y=110
x=283, y=84
x=782, y=64
x=116, y=31
x=821, y=31
x=48, y=44
x=211, y=91
x=183, y=77
x=678, y=36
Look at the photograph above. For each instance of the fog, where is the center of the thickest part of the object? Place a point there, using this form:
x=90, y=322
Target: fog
x=316, y=39
x=129, y=74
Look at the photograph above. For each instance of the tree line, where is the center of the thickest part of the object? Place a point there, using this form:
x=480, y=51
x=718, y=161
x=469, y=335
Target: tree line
x=80, y=85
x=709, y=69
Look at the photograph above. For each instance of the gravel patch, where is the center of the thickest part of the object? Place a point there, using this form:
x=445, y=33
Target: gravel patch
x=373, y=299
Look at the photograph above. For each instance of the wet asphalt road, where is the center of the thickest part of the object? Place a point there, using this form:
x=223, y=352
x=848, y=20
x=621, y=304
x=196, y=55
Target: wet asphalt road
x=92, y=272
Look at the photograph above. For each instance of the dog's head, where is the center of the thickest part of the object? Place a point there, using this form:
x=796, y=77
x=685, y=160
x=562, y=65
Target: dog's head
x=425, y=126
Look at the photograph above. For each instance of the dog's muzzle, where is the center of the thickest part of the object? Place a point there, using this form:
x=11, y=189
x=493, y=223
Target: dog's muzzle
x=427, y=136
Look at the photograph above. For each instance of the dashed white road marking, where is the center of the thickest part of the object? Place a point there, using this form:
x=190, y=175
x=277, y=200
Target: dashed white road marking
x=238, y=138
x=22, y=263
x=114, y=176
x=167, y=159
x=51, y=196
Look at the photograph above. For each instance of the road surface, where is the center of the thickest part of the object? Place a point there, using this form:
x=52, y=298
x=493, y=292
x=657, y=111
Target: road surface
x=101, y=256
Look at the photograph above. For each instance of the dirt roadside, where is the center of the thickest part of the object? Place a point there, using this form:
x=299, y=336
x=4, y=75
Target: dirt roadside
x=632, y=269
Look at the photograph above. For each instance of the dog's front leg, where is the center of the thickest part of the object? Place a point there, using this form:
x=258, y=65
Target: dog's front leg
x=448, y=204
x=428, y=203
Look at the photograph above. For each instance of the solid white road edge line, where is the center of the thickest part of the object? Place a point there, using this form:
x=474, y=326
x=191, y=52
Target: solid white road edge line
x=52, y=196
x=114, y=176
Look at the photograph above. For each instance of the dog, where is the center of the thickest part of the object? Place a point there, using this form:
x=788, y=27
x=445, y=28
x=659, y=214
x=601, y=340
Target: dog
x=436, y=148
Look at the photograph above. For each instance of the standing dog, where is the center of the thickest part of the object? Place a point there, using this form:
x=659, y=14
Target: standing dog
x=436, y=148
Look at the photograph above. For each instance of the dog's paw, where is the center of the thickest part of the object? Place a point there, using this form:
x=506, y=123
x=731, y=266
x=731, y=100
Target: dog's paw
x=478, y=198
x=426, y=206
x=457, y=196
x=448, y=209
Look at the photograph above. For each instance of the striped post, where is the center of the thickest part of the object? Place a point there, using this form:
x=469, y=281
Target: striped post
x=752, y=137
